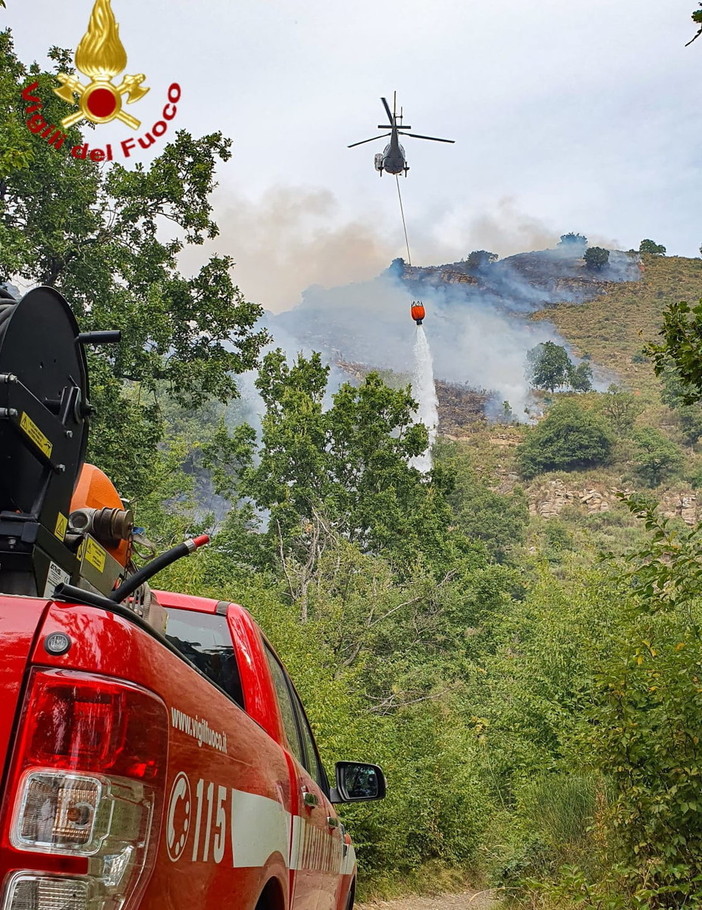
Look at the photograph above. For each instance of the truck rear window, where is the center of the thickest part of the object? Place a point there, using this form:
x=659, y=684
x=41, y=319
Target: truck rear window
x=205, y=640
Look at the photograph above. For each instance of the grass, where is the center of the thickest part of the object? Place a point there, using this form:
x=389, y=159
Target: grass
x=614, y=327
x=431, y=878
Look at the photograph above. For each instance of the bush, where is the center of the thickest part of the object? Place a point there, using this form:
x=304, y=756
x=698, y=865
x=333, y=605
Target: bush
x=478, y=259
x=620, y=408
x=569, y=438
x=646, y=724
x=498, y=521
x=596, y=258
x=656, y=458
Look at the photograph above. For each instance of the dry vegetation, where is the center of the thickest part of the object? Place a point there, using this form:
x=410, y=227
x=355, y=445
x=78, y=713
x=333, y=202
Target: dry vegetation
x=614, y=327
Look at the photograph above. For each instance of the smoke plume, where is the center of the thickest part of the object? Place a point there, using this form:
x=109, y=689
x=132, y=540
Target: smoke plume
x=291, y=238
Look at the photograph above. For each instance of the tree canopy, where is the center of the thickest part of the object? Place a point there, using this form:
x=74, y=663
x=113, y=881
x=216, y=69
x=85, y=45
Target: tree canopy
x=478, y=259
x=570, y=437
x=573, y=240
x=344, y=470
x=549, y=367
x=652, y=248
x=98, y=234
x=596, y=258
x=680, y=352
x=697, y=18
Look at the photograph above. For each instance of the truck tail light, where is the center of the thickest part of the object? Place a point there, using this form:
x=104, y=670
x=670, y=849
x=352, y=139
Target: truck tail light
x=26, y=891
x=89, y=778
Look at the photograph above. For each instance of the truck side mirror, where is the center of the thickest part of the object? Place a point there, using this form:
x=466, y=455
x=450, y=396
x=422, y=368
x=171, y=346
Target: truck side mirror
x=356, y=781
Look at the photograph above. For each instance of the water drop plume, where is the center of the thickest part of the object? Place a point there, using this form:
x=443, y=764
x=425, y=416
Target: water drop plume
x=424, y=393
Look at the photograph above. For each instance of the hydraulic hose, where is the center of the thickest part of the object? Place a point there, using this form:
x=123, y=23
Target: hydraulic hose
x=134, y=581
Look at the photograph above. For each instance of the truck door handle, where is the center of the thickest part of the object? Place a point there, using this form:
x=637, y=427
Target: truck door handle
x=309, y=799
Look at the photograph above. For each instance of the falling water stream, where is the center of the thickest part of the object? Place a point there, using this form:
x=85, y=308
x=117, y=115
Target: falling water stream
x=424, y=393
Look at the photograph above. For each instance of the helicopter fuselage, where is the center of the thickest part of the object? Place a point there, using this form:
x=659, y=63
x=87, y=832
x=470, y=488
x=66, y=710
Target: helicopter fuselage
x=392, y=159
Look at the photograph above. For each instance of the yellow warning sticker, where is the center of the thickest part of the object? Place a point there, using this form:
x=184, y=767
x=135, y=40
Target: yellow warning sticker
x=94, y=554
x=61, y=526
x=36, y=435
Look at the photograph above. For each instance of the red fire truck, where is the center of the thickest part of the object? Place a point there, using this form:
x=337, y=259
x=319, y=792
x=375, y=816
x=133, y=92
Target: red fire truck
x=156, y=754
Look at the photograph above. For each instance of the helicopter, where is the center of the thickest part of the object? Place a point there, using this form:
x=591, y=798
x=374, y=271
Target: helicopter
x=392, y=159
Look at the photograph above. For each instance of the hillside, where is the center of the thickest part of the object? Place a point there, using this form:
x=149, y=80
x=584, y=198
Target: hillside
x=479, y=320
x=613, y=327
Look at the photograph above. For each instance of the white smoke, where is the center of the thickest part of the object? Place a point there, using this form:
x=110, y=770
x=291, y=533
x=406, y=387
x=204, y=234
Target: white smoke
x=473, y=341
x=424, y=393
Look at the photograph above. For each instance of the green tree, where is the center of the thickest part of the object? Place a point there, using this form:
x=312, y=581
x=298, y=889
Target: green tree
x=581, y=377
x=568, y=438
x=674, y=394
x=344, y=471
x=680, y=352
x=573, y=240
x=478, y=259
x=97, y=235
x=596, y=258
x=652, y=248
x=620, y=408
x=656, y=456
x=548, y=366
x=498, y=521
x=646, y=729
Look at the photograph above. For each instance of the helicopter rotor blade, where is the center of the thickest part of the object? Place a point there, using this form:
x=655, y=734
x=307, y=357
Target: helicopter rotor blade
x=372, y=139
x=432, y=138
x=387, y=108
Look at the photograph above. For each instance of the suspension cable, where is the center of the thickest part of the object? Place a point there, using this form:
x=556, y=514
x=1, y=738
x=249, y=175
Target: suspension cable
x=404, y=223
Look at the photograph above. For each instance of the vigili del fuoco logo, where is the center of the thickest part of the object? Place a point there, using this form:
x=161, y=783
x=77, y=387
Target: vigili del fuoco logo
x=101, y=57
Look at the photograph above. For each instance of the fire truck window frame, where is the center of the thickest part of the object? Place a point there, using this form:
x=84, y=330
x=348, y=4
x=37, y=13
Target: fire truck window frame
x=286, y=704
x=313, y=764
x=204, y=639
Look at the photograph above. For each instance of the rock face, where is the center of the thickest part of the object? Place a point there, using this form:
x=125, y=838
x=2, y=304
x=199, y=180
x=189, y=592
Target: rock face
x=549, y=500
x=681, y=505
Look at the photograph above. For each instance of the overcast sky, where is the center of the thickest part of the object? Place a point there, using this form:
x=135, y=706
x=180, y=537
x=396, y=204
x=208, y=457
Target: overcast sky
x=579, y=115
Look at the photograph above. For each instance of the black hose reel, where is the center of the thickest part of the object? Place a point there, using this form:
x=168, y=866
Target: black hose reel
x=44, y=416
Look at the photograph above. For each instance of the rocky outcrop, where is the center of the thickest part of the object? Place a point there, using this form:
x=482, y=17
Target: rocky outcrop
x=551, y=498
x=685, y=505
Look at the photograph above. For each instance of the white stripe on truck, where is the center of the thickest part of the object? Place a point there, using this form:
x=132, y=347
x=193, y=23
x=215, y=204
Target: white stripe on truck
x=260, y=827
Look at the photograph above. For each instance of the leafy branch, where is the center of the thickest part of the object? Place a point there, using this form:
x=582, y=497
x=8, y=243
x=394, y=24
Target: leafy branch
x=696, y=17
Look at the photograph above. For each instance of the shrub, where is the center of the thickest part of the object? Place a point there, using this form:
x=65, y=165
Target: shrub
x=596, y=258
x=656, y=458
x=620, y=408
x=478, y=259
x=569, y=438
